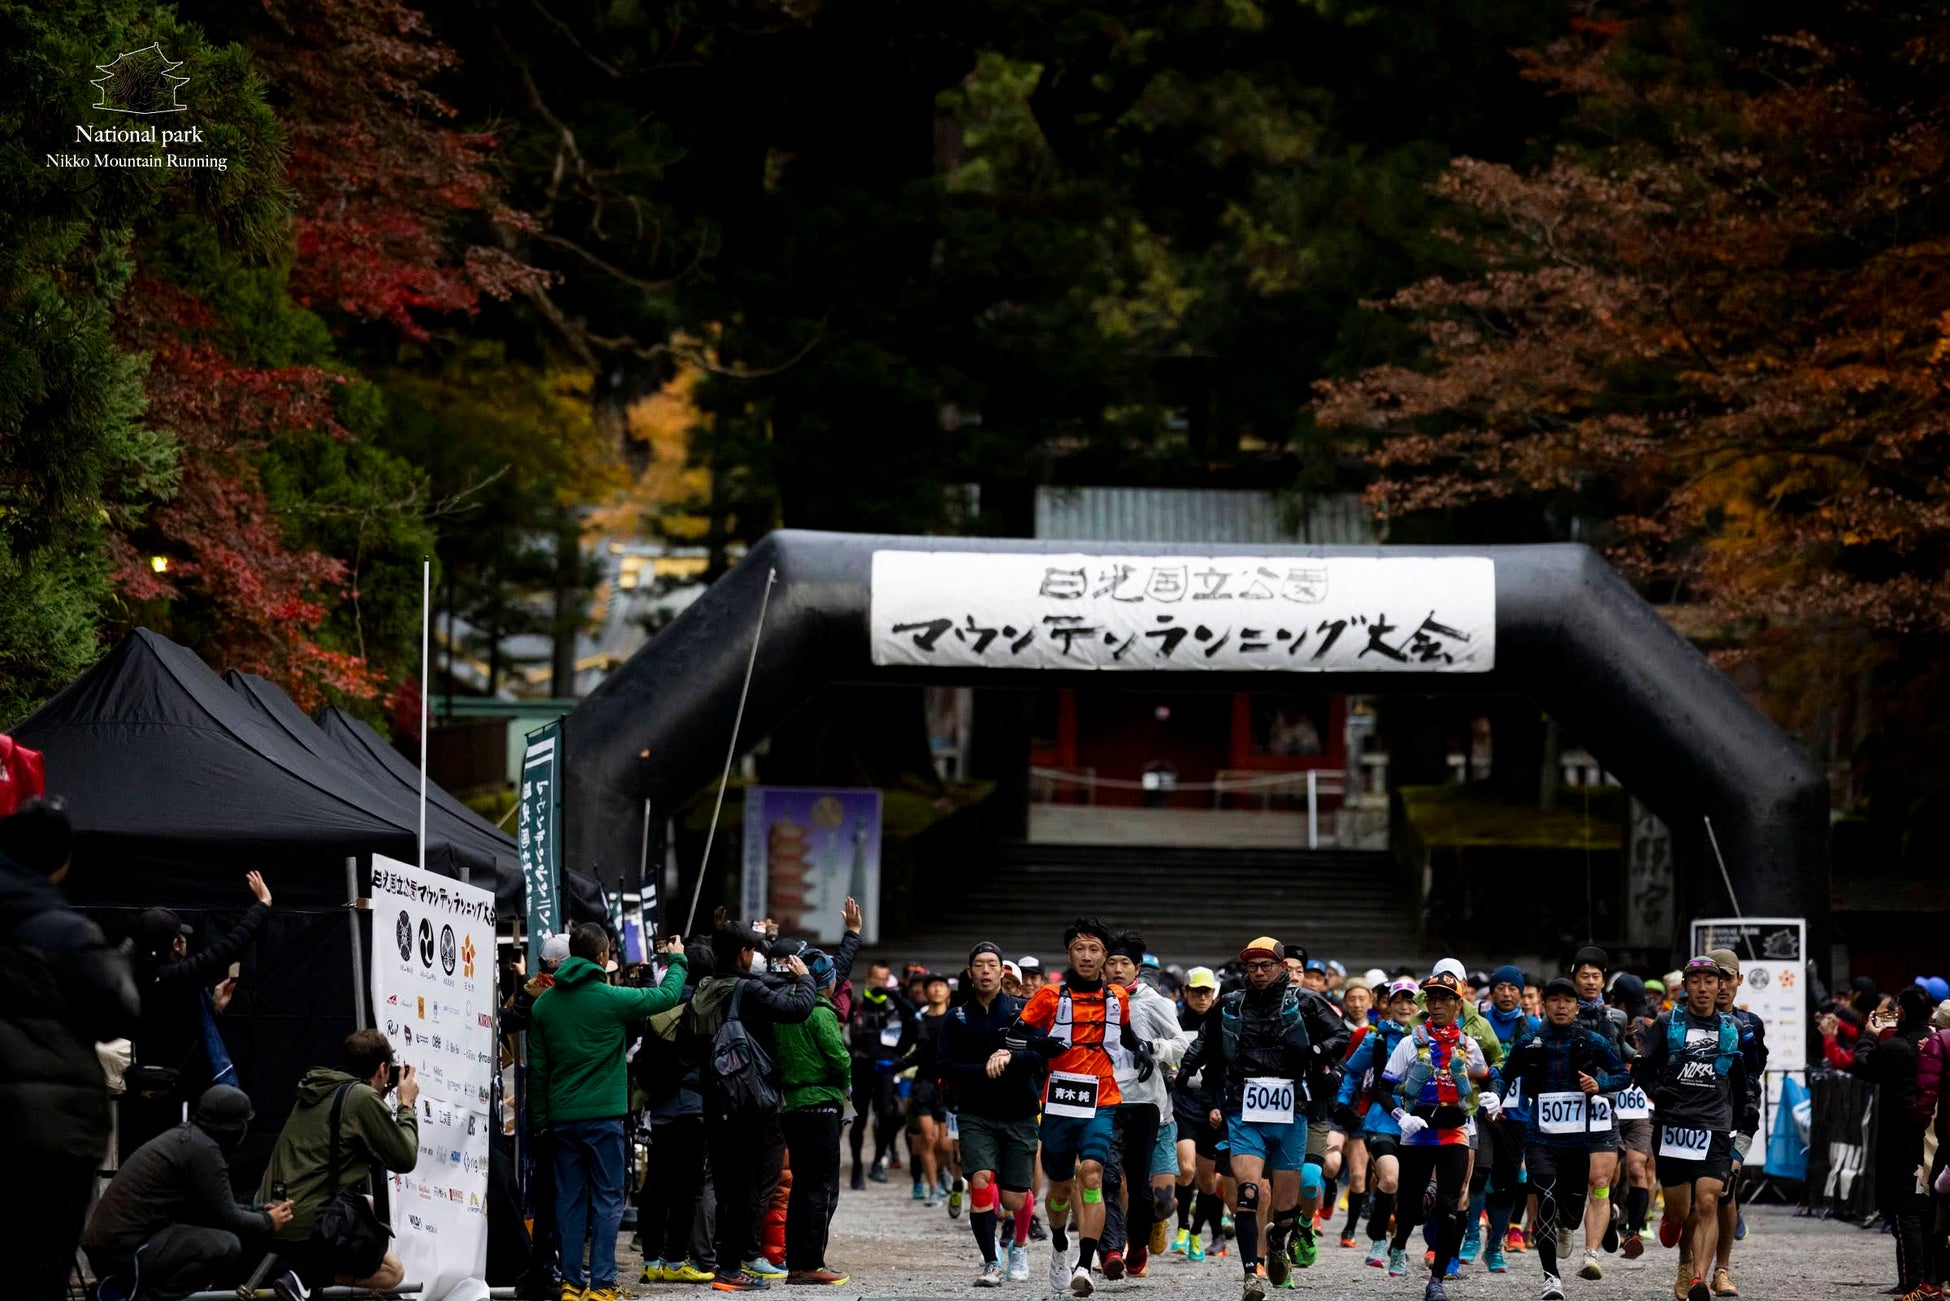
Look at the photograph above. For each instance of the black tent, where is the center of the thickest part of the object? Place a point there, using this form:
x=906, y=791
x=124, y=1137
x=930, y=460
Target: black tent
x=362, y=748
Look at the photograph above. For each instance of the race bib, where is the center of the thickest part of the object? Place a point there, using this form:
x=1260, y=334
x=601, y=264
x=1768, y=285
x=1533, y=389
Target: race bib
x=1633, y=1104
x=890, y=1036
x=954, y=1125
x=1513, y=1100
x=1560, y=1113
x=1683, y=1143
x=1071, y=1094
x=1268, y=1101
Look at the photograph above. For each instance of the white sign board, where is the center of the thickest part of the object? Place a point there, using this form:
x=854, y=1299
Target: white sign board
x=1345, y=614
x=1773, y=986
x=433, y=990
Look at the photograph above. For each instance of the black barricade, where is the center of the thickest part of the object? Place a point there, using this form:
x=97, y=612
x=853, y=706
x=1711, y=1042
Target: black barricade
x=1841, y=1146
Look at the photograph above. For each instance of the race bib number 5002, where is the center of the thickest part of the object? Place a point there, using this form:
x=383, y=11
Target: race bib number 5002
x=1684, y=1143
x=1268, y=1101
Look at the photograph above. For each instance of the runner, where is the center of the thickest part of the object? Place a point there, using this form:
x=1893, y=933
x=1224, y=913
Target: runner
x=1141, y=1118
x=927, y=1111
x=1257, y=1038
x=1563, y=1072
x=1194, y=1103
x=1086, y=1026
x=1753, y=1054
x=1327, y=1031
x=997, y=1081
x=1438, y=1076
x=1363, y=1104
x=1496, y=1182
x=1356, y=1002
x=1634, y=1115
x=1601, y=1219
x=1693, y=1069
x=882, y=1027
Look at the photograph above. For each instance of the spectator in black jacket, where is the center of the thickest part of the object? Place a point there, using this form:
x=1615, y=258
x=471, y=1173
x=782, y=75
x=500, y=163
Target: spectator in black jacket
x=676, y=1233
x=168, y=1223
x=1887, y=1056
x=62, y=990
x=170, y=1040
x=739, y=1144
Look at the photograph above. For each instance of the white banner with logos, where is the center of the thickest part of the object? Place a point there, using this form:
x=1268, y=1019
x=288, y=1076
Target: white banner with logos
x=433, y=978
x=1343, y=614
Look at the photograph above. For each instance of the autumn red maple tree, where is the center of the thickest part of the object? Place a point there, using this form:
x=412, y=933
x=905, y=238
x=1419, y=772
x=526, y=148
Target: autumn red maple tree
x=1718, y=325
x=387, y=194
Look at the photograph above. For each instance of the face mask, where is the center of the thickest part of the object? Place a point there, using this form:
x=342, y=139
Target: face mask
x=755, y=963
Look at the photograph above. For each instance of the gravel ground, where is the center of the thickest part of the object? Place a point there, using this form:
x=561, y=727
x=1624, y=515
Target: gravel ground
x=896, y=1251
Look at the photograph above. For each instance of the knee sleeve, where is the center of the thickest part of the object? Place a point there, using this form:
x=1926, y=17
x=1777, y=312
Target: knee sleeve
x=1163, y=1202
x=982, y=1199
x=1310, y=1181
x=1092, y=1196
x=1249, y=1197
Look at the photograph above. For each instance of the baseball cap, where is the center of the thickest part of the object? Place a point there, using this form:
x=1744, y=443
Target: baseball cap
x=1447, y=967
x=1374, y=976
x=1702, y=963
x=1729, y=962
x=555, y=950
x=1315, y=964
x=1150, y=960
x=1029, y=962
x=1201, y=978
x=1297, y=952
x=1444, y=982
x=1264, y=946
x=1560, y=987
x=1012, y=969
x=158, y=926
x=1403, y=988
x=1335, y=966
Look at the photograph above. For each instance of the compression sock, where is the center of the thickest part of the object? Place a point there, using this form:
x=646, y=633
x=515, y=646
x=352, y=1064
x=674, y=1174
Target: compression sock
x=1059, y=1224
x=1356, y=1203
x=981, y=1218
x=1023, y=1216
x=1186, y=1192
x=1245, y=1226
x=1284, y=1224
x=1330, y=1195
x=1086, y=1252
x=1210, y=1210
x=1637, y=1202
x=1378, y=1217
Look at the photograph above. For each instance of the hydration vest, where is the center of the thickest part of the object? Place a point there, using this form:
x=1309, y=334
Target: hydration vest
x=1729, y=1046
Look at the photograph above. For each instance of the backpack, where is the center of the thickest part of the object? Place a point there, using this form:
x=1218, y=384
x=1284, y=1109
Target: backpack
x=1729, y=1046
x=1230, y=1014
x=740, y=1066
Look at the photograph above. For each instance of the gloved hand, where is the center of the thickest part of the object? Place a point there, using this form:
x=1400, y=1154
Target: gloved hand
x=1347, y=1118
x=1491, y=1106
x=1742, y=1144
x=1411, y=1124
x=1147, y=1059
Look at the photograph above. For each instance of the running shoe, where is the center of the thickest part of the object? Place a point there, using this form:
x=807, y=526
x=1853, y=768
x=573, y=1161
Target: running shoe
x=1160, y=1234
x=289, y=1287
x=1669, y=1231
x=570, y=1292
x=738, y=1281
x=764, y=1268
x=1080, y=1284
x=1196, y=1251
x=879, y=1172
x=1435, y=1291
x=1610, y=1241
x=1553, y=1289
x=932, y=1200
x=859, y=1182
x=1138, y=1263
x=1347, y=1240
x=1739, y=1226
x=1699, y=1292
x=1516, y=1241
x=817, y=1278
x=1493, y=1260
x=1306, y=1247
x=1682, y=1282
x=1018, y=1264
x=954, y=1199
x=1061, y=1261
x=1037, y=1233
x=653, y=1272
x=1278, y=1267
x=610, y=1293
x=1472, y=1243
x=1181, y=1242
x=1397, y=1262
x=1591, y=1270
x=991, y=1275
x=1378, y=1254
x=920, y=1190
x=1453, y=1269
x=1255, y=1288
x=1632, y=1247
x=893, y=1160
x=683, y=1271
x=1113, y=1265
x=1723, y=1283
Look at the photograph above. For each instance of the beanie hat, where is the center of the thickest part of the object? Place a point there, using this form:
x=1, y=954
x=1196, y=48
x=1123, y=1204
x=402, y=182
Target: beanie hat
x=984, y=947
x=1590, y=956
x=1507, y=974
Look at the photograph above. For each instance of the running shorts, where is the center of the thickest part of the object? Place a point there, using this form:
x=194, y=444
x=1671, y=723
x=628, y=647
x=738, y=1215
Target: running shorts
x=1683, y=1172
x=1638, y=1135
x=1164, y=1153
x=1380, y=1145
x=1317, y=1142
x=1281, y=1147
x=924, y=1100
x=1067, y=1140
x=1007, y=1148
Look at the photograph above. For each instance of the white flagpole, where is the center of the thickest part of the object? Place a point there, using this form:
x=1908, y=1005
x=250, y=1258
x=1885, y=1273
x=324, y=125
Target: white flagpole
x=426, y=711
x=711, y=835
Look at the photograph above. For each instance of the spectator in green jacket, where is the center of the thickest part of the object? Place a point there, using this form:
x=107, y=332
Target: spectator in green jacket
x=817, y=1068
x=579, y=1092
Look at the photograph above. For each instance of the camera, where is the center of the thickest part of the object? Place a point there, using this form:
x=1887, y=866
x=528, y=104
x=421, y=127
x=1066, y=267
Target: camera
x=780, y=966
x=392, y=1077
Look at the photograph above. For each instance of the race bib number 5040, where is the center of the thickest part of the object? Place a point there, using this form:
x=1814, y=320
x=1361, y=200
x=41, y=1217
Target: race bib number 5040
x=1268, y=1101
x=1684, y=1143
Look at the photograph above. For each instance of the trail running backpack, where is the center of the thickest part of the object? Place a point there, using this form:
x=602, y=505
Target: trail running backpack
x=1729, y=1047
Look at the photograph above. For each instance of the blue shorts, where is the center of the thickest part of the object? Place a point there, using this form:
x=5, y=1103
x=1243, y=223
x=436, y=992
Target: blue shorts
x=1164, y=1154
x=1281, y=1147
x=1067, y=1140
